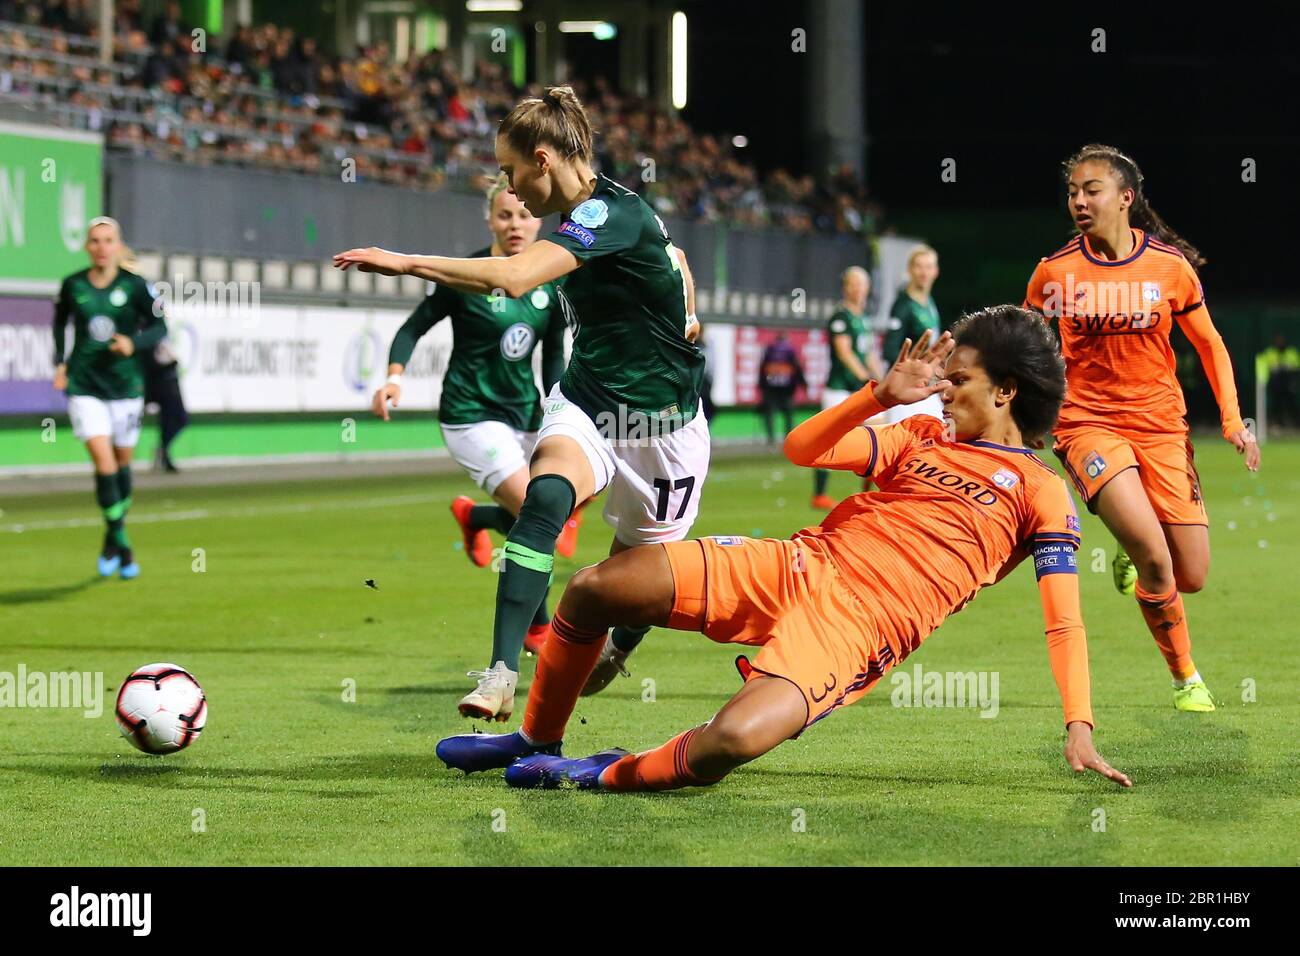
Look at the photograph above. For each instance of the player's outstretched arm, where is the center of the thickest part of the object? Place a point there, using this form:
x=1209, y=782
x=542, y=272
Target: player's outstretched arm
x=1067, y=647
x=1081, y=755
x=541, y=262
x=692, y=322
x=916, y=372
x=1207, y=341
x=390, y=393
x=832, y=438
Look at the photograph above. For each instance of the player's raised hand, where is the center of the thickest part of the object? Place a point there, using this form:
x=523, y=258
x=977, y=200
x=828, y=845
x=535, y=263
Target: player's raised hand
x=909, y=378
x=379, y=404
x=1081, y=755
x=1246, y=444
x=371, y=259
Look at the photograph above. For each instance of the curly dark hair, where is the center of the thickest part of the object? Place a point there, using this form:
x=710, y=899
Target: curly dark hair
x=1016, y=344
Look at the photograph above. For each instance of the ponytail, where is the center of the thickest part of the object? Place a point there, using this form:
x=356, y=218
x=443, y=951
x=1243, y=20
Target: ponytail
x=557, y=119
x=1141, y=214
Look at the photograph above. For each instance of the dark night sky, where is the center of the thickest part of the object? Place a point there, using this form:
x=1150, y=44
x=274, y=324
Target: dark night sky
x=1009, y=96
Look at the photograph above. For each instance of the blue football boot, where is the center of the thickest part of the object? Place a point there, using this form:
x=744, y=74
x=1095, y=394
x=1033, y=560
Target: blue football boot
x=550, y=772
x=472, y=752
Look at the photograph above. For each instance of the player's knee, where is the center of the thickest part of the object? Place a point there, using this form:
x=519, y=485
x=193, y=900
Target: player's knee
x=734, y=741
x=1155, y=570
x=547, y=504
x=1191, y=580
x=584, y=587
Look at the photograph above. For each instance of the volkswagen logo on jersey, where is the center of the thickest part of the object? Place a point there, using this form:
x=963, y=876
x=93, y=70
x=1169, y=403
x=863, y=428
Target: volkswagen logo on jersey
x=591, y=213
x=101, y=328
x=517, y=342
x=359, y=359
x=117, y=297
x=539, y=299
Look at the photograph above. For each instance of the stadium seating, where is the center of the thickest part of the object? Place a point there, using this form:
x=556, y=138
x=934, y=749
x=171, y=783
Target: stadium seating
x=273, y=101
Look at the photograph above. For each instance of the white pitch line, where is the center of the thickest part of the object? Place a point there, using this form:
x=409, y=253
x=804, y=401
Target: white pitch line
x=199, y=514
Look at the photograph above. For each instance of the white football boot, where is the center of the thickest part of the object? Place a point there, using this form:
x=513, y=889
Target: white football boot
x=494, y=697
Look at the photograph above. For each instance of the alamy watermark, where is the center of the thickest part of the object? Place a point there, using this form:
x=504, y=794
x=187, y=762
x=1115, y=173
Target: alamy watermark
x=229, y=301
x=83, y=690
x=920, y=688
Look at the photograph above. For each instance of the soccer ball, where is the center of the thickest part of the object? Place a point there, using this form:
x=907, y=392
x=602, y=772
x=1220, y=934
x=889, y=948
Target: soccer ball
x=161, y=708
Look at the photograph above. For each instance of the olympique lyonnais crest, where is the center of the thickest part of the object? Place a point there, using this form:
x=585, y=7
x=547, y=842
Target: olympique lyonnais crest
x=1094, y=465
x=1004, y=479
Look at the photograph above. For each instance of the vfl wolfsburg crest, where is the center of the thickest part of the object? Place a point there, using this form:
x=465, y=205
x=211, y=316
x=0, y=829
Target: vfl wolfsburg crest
x=117, y=297
x=539, y=299
x=101, y=328
x=517, y=342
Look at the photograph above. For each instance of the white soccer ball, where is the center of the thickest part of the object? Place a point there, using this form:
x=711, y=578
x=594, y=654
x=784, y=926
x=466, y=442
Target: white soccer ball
x=161, y=708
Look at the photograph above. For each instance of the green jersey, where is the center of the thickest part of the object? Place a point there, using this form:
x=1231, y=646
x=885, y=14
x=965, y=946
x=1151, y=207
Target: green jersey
x=628, y=299
x=913, y=319
x=844, y=322
x=127, y=306
x=490, y=372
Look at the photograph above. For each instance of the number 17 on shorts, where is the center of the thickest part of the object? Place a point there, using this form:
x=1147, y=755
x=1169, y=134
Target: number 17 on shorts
x=655, y=494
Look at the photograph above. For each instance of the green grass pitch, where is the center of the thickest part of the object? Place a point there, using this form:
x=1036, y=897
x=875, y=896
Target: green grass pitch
x=288, y=772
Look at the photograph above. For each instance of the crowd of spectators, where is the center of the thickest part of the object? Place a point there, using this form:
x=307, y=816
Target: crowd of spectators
x=267, y=97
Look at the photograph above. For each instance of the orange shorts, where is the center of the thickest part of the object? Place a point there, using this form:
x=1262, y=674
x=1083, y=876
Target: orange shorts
x=788, y=597
x=1093, y=456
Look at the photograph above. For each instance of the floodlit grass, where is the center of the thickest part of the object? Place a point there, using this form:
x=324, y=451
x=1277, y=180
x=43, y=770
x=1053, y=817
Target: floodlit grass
x=289, y=772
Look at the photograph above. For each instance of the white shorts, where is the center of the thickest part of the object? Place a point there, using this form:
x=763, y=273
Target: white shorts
x=489, y=451
x=932, y=406
x=654, y=483
x=833, y=396
x=117, y=418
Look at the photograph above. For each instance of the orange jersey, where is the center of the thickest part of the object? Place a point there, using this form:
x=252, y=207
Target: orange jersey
x=949, y=519
x=965, y=513
x=1115, y=319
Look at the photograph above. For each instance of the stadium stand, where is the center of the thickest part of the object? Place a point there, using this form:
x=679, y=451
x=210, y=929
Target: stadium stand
x=267, y=98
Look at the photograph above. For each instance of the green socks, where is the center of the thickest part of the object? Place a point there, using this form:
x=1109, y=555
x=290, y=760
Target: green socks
x=543, y=616
x=124, y=486
x=491, y=517
x=529, y=556
x=109, y=496
x=627, y=638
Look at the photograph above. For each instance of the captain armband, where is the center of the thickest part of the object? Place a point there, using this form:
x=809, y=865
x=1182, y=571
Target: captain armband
x=1054, y=557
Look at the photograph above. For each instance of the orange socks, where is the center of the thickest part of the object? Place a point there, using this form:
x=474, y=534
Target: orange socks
x=663, y=768
x=563, y=667
x=1168, y=623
